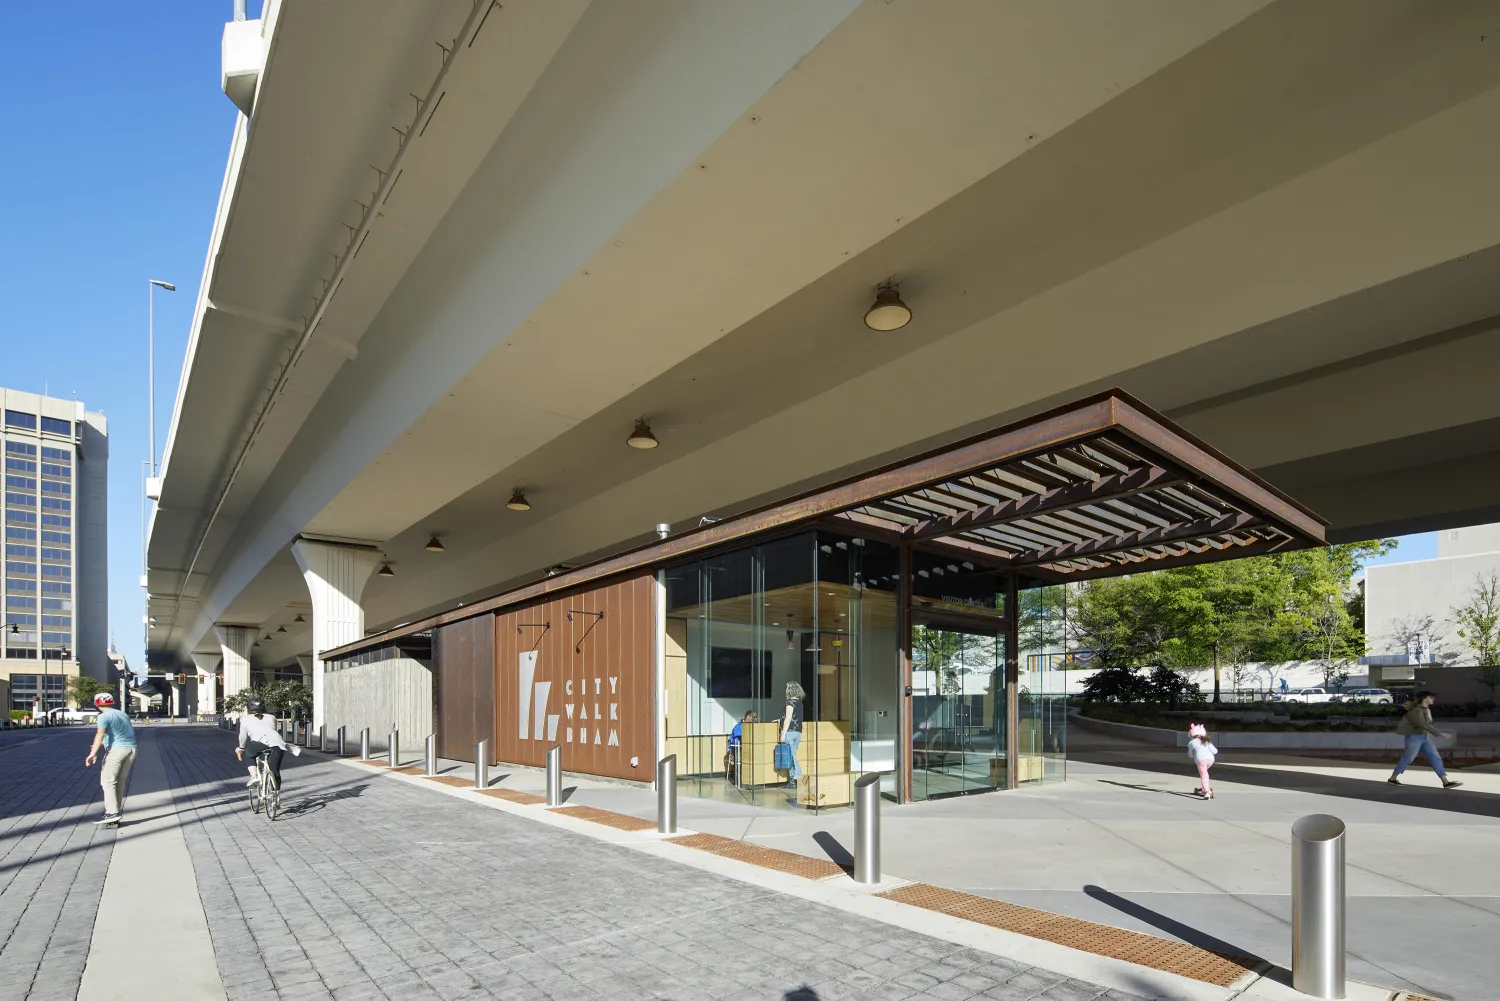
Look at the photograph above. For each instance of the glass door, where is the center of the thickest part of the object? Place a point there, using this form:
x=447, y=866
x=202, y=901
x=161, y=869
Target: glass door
x=958, y=708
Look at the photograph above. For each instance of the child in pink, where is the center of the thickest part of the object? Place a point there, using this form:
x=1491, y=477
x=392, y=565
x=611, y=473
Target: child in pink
x=1203, y=753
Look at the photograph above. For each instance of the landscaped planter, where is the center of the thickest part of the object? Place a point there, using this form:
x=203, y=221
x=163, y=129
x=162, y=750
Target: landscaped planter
x=1311, y=740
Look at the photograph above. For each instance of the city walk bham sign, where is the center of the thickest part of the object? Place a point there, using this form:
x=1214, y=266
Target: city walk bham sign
x=590, y=711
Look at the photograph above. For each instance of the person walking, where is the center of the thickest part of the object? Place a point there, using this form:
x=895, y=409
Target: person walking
x=1203, y=753
x=791, y=728
x=115, y=734
x=1416, y=726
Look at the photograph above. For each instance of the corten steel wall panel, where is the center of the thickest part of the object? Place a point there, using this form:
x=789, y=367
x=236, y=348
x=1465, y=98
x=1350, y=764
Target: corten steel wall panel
x=595, y=675
x=463, y=659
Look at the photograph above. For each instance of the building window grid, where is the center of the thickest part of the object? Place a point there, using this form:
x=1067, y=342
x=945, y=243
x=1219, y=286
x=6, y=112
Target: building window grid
x=53, y=490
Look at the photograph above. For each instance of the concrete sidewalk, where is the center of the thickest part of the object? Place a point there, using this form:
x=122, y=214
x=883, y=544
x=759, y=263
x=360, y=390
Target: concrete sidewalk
x=1123, y=843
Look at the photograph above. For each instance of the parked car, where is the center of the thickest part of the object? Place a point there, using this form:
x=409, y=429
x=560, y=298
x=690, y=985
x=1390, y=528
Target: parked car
x=73, y=715
x=1309, y=696
x=1377, y=696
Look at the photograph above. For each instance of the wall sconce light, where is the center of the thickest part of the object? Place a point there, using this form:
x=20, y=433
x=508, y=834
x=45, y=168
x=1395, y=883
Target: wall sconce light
x=888, y=312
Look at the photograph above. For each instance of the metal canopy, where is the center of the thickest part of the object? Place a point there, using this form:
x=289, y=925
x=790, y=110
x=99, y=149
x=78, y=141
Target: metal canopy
x=1098, y=505
x=1100, y=487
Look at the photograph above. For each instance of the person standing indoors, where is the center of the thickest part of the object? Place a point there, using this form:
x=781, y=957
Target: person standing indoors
x=1202, y=751
x=1416, y=726
x=791, y=727
x=115, y=734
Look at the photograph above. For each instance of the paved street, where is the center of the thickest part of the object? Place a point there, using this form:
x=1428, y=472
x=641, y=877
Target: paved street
x=1122, y=842
x=52, y=860
x=374, y=888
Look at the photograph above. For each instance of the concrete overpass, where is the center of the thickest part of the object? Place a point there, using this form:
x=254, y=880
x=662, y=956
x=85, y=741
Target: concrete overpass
x=461, y=249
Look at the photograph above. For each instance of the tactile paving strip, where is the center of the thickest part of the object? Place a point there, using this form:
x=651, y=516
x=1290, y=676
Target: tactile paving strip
x=512, y=796
x=1162, y=954
x=619, y=821
x=452, y=780
x=768, y=858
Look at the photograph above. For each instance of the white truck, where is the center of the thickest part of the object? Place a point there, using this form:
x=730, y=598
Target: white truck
x=1308, y=696
x=87, y=715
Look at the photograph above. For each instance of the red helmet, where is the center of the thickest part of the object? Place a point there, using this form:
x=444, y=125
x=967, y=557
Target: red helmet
x=103, y=699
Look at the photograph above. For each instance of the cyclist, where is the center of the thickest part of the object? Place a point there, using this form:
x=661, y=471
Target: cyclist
x=258, y=736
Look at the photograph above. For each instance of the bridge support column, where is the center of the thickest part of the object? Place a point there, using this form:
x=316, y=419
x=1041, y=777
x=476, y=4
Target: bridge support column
x=336, y=574
x=235, y=643
x=207, y=665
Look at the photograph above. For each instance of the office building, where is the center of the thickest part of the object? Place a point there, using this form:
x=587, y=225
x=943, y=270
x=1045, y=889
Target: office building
x=56, y=561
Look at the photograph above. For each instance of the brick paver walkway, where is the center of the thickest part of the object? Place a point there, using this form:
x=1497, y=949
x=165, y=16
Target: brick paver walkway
x=371, y=887
x=52, y=860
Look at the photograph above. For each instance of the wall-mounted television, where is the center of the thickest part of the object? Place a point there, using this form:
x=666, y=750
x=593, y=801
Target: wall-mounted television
x=731, y=673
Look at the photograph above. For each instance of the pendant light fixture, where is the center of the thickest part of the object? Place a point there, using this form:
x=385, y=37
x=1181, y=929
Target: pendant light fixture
x=385, y=571
x=434, y=545
x=518, y=501
x=888, y=311
x=642, y=437
x=281, y=629
x=299, y=618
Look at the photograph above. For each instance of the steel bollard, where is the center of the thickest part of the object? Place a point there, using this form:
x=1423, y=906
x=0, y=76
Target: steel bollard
x=666, y=795
x=342, y=752
x=867, y=828
x=1318, y=906
x=364, y=744
x=482, y=765
x=323, y=739
x=393, y=750
x=307, y=732
x=554, y=776
x=431, y=754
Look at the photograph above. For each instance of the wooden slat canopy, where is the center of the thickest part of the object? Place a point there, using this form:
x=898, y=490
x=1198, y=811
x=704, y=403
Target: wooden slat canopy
x=1100, y=487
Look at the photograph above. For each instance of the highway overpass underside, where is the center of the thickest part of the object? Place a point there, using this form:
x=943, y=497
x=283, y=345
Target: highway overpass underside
x=1273, y=222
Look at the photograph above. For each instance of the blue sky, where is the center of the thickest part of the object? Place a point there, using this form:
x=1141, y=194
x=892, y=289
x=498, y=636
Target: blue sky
x=119, y=138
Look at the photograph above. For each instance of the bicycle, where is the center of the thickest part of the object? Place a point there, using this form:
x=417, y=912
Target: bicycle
x=263, y=793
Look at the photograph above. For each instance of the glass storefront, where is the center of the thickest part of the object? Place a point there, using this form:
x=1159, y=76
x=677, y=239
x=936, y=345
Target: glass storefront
x=807, y=628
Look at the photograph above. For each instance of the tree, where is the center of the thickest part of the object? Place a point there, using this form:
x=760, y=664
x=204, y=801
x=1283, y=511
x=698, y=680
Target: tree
x=1479, y=624
x=282, y=698
x=1117, y=683
x=1279, y=607
x=82, y=689
x=1323, y=612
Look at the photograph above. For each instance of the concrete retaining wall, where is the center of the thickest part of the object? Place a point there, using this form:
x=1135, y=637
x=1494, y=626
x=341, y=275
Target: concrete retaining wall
x=376, y=695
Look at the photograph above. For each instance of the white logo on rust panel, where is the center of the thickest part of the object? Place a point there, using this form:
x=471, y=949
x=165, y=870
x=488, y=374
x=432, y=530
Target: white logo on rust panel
x=531, y=702
x=531, y=708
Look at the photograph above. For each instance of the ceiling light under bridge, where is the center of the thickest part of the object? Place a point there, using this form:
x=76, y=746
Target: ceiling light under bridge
x=518, y=501
x=642, y=437
x=888, y=312
x=434, y=545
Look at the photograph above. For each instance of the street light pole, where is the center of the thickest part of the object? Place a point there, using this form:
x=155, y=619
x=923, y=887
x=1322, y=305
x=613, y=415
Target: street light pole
x=151, y=287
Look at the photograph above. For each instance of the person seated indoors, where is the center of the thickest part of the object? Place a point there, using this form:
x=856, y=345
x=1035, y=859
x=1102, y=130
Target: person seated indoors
x=737, y=735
